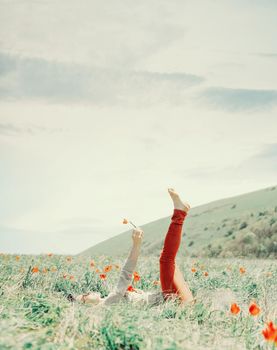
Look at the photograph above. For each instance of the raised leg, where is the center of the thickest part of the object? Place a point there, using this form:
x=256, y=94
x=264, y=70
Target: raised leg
x=172, y=280
x=171, y=245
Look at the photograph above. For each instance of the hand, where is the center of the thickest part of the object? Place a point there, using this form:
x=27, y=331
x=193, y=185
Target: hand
x=137, y=236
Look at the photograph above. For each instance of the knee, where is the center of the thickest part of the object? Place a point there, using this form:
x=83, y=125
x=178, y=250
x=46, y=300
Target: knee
x=163, y=257
x=166, y=258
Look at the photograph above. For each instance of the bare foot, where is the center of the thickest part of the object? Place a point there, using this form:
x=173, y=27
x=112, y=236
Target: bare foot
x=178, y=203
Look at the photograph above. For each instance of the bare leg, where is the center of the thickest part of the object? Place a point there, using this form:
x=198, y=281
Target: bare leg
x=181, y=286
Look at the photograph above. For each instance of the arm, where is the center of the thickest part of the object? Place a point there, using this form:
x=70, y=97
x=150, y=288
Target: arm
x=126, y=273
x=127, y=270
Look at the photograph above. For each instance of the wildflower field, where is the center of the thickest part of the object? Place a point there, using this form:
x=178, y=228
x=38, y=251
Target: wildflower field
x=235, y=307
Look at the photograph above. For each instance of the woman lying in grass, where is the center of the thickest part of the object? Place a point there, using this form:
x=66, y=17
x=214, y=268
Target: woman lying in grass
x=173, y=284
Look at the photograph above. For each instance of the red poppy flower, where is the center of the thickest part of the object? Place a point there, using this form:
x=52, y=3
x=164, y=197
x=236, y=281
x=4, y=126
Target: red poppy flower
x=17, y=258
x=235, y=309
x=35, y=269
x=108, y=268
x=193, y=269
x=125, y=221
x=92, y=263
x=50, y=254
x=270, y=332
x=242, y=270
x=136, y=277
x=206, y=274
x=130, y=289
x=103, y=276
x=64, y=276
x=254, y=309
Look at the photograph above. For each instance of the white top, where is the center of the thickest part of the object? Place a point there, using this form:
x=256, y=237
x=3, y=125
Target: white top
x=125, y=279
x=148, y=298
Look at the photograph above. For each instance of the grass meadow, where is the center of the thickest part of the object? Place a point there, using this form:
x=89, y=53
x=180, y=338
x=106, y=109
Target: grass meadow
x=35, y=314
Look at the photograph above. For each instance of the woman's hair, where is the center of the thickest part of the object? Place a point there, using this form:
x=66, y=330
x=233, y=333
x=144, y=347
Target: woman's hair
x=71, y=298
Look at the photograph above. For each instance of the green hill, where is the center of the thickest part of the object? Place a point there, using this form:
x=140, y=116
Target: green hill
x=245, y=225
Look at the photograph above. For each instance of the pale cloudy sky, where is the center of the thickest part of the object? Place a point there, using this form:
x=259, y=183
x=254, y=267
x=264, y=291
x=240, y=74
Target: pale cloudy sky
x=103, y=105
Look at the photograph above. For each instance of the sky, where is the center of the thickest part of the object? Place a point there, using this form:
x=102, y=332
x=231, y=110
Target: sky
x=104, y=105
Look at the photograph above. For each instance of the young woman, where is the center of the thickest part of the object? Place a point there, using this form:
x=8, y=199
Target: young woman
x=173, y=284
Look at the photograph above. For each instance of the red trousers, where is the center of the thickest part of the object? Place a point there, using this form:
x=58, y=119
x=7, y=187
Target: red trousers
x=171, y=245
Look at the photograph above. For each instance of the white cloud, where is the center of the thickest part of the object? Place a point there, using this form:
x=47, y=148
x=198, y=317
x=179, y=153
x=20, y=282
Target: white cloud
x=32, y=78
x=101, y=34
x=235, y=100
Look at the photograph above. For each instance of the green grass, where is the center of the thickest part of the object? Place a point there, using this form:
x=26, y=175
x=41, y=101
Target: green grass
x=214, y=229
x=34, y=313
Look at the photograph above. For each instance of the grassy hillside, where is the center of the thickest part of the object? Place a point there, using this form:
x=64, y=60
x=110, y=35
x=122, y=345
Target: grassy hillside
x=244, y=225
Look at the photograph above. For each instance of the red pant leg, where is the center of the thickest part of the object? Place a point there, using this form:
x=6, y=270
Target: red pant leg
x=171, y=245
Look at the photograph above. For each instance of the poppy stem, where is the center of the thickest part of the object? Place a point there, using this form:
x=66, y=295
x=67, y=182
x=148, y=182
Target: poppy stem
x=133, y=224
